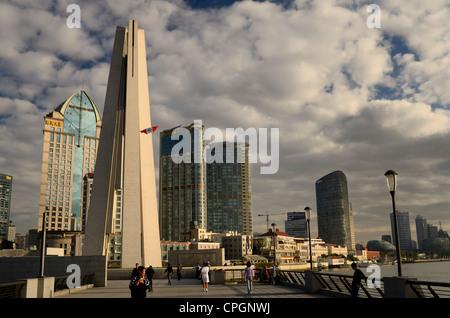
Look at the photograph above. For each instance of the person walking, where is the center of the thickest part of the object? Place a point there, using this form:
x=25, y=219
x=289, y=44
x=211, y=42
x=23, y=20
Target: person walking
x=205, y=276
x=169, y=272
x=149, y=273
x=179, y=267
x=248, y=277
x=139, y=284
x=358, y=275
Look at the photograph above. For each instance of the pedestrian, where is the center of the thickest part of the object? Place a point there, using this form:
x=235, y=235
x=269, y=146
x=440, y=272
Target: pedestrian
x=139, y=284
x=134, y=273
x=179, y=271
x=267, y=273
x=169, y=272
x=205, y=276
x=149, y=273
x=197, y=271
x=248, y=277
x=358, y=275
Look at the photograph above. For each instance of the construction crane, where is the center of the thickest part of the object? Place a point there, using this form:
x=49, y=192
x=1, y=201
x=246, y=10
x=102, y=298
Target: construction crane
x=267, y=217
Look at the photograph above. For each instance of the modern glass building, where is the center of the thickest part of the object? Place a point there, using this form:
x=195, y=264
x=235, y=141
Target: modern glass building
x=295, y=225
x=71, y=134
x=333, y=207
x=404, y=231
x=181, y=181
x=421, y=230
x=5, y=203
x=229, y=189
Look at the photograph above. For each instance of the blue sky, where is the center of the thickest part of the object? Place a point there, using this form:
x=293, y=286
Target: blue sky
x=344, y=96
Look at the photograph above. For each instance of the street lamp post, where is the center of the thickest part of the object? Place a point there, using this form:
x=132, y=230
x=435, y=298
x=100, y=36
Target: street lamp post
x=274, y=253
x=308, y=219
x=44, y=232
x=391, y=177
x=274, y=245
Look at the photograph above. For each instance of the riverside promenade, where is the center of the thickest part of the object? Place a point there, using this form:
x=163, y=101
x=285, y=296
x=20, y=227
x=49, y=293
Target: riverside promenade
x=192, y=288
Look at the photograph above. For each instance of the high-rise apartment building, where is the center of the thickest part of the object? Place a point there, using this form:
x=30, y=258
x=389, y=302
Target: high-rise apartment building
x=5, y=203
x=296, y=225
x=181, y=181
x=229, y=188
x=71, y=134
x=404, y=231
x=333, y=215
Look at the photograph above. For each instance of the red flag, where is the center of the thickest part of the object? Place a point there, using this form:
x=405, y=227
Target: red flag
x=149, y=130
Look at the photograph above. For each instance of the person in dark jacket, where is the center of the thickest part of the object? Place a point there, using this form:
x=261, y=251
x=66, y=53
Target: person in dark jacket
x=139, y=284
x=169, y=272
x=135, y=271
x=179, y=267
x=149, y=273
x=358, y=275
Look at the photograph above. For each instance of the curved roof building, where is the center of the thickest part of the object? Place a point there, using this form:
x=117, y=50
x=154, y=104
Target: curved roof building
x=71, y=134
x=333, y=209
x=380, y=245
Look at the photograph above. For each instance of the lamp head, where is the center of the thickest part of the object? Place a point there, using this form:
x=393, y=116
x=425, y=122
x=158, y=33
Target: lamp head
x=391, y=178
x=308, y=212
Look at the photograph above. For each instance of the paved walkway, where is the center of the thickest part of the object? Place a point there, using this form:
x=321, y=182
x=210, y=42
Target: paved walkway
x=192, y=288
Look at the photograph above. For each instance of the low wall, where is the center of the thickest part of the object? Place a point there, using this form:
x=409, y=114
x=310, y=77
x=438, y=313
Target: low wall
x=14, y=269
x=124, y=274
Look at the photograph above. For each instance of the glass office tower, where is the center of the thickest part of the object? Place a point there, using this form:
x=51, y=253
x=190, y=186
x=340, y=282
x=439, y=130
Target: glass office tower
x=5, y=203
x=333, y=207
x=181, y=183
x=404, y=231
x=296, y=225
x=229, y=189
x=71, y=134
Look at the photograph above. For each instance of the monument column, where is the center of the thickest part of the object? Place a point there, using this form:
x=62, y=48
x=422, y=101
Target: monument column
x=125, y=158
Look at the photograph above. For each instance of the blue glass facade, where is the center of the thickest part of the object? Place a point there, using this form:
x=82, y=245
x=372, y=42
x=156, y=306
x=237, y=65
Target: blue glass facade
x=181, y=184
x=80, y=119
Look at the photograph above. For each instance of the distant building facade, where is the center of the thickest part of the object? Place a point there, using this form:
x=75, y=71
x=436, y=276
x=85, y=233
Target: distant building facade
x=296, y=225
x=181, y=184
x=229, y=189
x=404, y=231
x=6, y=182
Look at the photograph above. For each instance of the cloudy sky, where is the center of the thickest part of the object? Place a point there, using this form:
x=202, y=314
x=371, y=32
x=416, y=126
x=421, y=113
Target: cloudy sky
x=344, y=96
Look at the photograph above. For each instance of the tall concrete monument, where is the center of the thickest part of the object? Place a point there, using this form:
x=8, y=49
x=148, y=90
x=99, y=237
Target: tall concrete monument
x=124, y=177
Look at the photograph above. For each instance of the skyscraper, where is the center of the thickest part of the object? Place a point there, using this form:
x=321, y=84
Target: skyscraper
x=229, y=188
x=70, y=144
x=5, y=203
x=421, y=230
x=125, y=171
x=404, y=230
x=295, y=225
x=333, y=216
x=181, y=181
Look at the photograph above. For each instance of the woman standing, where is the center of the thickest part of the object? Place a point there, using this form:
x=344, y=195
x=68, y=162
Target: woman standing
x=205, y=277
x=248, y=275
